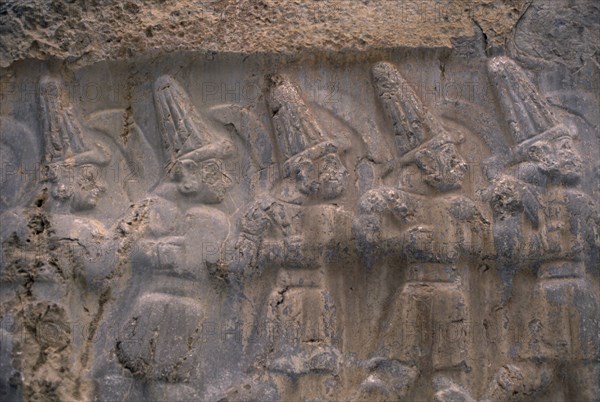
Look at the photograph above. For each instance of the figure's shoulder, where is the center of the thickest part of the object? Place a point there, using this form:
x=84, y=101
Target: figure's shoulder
x=463, y=208
x=381, y=199
x=205, y=214
x=92, y=233
x=13, y=215
x=90, y=225
x=161, y=207
x=576, y=195
x=156, y=202
x=262, y=202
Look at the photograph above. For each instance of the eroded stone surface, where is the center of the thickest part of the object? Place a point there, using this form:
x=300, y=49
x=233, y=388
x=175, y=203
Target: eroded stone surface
x=399, y=224
x=87, y=31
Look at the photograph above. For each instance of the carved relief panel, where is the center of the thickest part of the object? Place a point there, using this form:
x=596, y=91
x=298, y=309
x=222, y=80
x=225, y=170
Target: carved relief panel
x=280, y=228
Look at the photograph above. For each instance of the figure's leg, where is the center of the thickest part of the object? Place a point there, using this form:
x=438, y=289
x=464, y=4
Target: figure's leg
x=449, y=391
x=305, y=340
x=584, y=382
x=522, y=382
x=387, y=380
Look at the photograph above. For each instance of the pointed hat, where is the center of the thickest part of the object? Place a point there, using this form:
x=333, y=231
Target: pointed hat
x=185, y=132
x=65, y=136
x=528, y=114
x=298, y=133
x=414, y=127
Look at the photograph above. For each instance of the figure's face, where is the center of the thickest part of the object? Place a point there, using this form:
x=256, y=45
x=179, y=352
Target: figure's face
x=304, y=172
x=84, y=188
x=557, y=158
x=443, y=166
x=204, y=182
x=333, y=177
x=325, y=178
x=88, y=189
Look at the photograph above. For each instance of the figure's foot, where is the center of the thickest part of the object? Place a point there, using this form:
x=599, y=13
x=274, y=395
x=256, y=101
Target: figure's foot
x=387, y=379
x=323, y=359
x=448, y=391
x=519, y=383
x=250, y=390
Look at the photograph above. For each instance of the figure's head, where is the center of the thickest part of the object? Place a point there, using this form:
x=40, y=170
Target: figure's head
x=333, y=176
x=82, y=187
x=557, y=158
x=323, y=178
x=541, y=137
x=443, y=166
x=303, y=171
x=202, y=182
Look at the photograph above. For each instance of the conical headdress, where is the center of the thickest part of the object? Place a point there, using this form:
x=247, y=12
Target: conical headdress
x=529, y=116
x=64, y=135
x=298, y=133
x=181, y=126
x=413, y=126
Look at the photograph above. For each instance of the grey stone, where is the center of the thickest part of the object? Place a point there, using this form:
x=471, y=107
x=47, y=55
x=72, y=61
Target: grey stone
x=265, y=210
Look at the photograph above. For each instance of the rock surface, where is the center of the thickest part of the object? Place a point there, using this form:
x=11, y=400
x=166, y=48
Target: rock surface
x=84, y=32
x=307, y=200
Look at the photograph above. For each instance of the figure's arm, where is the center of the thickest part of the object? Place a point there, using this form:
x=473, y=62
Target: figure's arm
x=249, y=252
x=480, y=244
x=368, y=227
x=127, y=232
x=292, y=251
x=586, y=215
x=98, y=154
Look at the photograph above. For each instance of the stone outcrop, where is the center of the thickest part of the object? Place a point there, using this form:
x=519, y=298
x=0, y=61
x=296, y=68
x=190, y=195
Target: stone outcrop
x=312, y=200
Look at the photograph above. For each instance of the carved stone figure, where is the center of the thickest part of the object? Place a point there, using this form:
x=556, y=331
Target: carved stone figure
x=232, y=201
x=19, y=148
x=432, y=236
x=61, y=244
x=15, y=252
x=544, y=223
x=167, y=342
x=279, y=237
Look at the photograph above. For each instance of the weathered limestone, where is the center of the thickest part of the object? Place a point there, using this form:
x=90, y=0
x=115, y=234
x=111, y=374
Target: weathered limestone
x=265, y=210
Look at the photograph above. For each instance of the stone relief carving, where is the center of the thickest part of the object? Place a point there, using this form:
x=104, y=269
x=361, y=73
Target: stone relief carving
x=285, y=247
x=171, y=271
x=435, y=256
x=557, y=238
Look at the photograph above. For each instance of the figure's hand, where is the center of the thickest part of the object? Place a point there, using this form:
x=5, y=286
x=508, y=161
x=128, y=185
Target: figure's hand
x=505, y=196
x=247, y=249
x=400, y=210
x=255, y=221
x=237, y=259
x=386, y=200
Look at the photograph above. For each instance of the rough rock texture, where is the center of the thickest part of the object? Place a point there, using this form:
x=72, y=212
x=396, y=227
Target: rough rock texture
x=308, y=200
x=84, y=32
